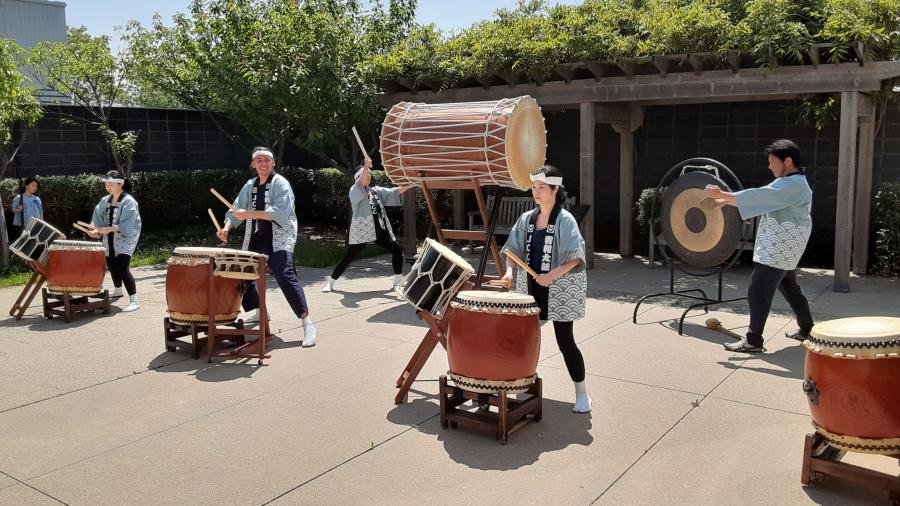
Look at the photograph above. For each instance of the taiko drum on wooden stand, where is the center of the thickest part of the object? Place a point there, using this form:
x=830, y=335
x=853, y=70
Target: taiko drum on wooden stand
x=74, y=272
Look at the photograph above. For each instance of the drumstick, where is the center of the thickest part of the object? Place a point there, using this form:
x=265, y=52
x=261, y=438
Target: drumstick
x=82, y=229
x=214, y=192
x=85, y=225
x=521, y=264
x=359, y=141
x=213, y=218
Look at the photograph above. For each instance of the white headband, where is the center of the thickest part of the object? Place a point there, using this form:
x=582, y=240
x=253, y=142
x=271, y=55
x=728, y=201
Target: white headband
x=552, y=180
x=262, y=152
x=116, y=180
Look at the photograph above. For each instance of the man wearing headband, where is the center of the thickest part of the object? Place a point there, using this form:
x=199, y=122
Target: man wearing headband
x=548, y=239
x=117, y=220
x=370, y=224
x=265, y=205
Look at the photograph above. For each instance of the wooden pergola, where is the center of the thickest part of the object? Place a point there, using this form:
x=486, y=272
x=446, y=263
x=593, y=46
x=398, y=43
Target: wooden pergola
x=616, y=93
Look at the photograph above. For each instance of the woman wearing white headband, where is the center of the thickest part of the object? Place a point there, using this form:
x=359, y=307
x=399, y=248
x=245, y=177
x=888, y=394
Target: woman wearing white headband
x=548, y=239
x=370, y=224
x=118, y=220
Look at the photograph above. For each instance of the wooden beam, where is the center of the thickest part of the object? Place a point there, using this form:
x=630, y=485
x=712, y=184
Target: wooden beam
x=459, y=210
x=626, y=190
x=409, y=221
x=677, y=87
x=587, y=145
x=863, y=206
x=843, y=229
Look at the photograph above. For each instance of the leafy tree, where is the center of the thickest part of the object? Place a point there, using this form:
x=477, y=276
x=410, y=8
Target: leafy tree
x=18, y=104
x=285, y=71
x=84, y=69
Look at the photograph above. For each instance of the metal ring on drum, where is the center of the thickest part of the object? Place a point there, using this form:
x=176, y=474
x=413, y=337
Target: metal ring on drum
x=435, y=278
x=497, y=142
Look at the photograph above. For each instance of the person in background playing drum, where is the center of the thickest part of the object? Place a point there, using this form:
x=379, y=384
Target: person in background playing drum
x=26, y=205
x=370, y=224
x=548, y=239
x=266, y=205
x=118, y=221
x=784, y=229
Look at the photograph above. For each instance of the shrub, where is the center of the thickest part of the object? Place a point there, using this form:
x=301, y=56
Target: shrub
x=648, y=206
x=887, y=226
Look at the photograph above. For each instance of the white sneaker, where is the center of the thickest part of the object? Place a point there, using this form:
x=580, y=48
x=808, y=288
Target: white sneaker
x=134, y=305
x=583, y=403
x=116, y=293
x=309, y=335
x=329, y=284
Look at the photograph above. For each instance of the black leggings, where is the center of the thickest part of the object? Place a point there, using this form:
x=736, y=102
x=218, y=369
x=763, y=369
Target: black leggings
x=119, y=269
x=565, y=337
x=383, y=240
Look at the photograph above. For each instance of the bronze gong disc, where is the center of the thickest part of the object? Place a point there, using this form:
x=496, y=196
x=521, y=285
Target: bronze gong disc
x=700, y=234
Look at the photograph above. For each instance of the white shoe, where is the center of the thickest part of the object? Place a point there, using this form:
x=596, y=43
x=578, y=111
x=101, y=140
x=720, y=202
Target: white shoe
x=253, y=316
x=116, y=293
x=309, y=335
x=583, y=403
x=329, y=284
x=134, y=305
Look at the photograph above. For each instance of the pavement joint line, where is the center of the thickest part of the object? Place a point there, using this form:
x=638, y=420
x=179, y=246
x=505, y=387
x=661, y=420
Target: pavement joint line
x=210, y=413
x=694, y=405
x=623, y=380
x=806, y=415
x=32, y=487
x=352, y=458
x=652, y=307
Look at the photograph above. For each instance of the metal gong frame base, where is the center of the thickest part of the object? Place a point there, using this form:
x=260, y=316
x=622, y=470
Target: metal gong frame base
x=722, y=172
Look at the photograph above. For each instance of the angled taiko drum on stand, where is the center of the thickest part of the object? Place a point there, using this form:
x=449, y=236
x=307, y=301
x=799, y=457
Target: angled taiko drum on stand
x=435, y=279
x=35, y=240
x=497, y=142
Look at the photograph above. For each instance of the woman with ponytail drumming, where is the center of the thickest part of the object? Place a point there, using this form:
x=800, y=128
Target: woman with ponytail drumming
x=117, y=220
x=548, y=239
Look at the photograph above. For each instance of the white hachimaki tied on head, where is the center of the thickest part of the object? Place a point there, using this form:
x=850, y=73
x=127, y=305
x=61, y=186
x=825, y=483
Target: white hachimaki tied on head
x=541, y=175
x=262, y=151
x=112, y=177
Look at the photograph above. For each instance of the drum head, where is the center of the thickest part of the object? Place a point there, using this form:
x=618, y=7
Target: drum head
x=492, y=297
x=700, y=234
x=65, y=244
x=865, y=334
x=201, y=251
x=449, y=254
x=526, y=142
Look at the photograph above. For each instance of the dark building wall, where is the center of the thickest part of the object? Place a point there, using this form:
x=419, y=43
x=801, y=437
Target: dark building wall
x=734, y=134
x=169, y=140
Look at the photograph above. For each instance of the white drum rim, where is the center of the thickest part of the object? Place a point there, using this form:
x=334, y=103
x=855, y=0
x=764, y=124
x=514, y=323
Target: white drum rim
x=859, y=329
x=211, y=251
x=449, y=254
x=492, y=297
x=51, y=227
x=59, y=245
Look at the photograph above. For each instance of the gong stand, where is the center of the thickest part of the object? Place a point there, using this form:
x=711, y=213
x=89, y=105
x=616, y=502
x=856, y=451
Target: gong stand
x=708, y=166
x=29, y=290
x=437, y=329
x=233, y=331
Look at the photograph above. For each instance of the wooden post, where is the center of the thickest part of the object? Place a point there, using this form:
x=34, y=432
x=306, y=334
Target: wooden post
x=459, y=210
x=586, y=176
x=409, y=221
x=843, y=229
x=626, y=190
x=863, y=206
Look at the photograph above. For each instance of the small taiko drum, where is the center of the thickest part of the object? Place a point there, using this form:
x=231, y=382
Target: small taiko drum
x=36, y=238
x=188, y=284
x=75, y=267
x=498, y=142
x=493, y=341
x=435, y=278
x=852, y=372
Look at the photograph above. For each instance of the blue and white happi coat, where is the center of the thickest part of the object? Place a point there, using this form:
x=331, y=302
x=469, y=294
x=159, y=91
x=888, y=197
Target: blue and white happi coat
x=368, y=205
x=126, y=216
x=567, y=293
x=279, y=199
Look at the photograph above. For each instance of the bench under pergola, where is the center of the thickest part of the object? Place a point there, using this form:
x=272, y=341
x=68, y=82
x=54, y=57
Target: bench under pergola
x=616, y=93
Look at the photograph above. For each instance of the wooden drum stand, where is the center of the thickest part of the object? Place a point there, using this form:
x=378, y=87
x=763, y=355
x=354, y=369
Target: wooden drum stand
x=815, y=467
x=512, y=414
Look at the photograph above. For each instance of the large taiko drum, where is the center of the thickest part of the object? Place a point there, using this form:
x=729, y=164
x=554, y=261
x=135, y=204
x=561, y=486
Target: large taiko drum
x=75, y=267
x=187, y=283
x=36, y=238
x=493, y=341
x=852, y=383
x=435, y=278
x=494, y=143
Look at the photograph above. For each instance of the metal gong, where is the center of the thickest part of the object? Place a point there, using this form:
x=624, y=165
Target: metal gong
x=698, y=232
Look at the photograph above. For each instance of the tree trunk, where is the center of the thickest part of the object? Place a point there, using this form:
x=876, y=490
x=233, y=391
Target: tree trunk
x=4, y=241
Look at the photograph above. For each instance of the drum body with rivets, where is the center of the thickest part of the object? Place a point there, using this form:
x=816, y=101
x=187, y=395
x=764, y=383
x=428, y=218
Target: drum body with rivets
x=852, y=383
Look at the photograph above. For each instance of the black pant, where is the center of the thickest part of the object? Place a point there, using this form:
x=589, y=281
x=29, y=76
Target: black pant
x=281, y=265
x=382, y=239
x=763, y=283
x=565, y=337
x=119, y=266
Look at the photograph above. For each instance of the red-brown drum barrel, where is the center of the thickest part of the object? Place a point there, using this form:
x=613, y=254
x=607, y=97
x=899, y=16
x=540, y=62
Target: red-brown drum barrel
x=494, y=340
x=75, y=267
x=852, y=383
x=187, y=287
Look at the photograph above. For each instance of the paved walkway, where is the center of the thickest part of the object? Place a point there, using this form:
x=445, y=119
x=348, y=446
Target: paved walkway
x=96, y=412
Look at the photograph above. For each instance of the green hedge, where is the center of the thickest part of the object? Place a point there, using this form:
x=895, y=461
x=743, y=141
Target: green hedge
x=173, y=199
x=887, y=226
